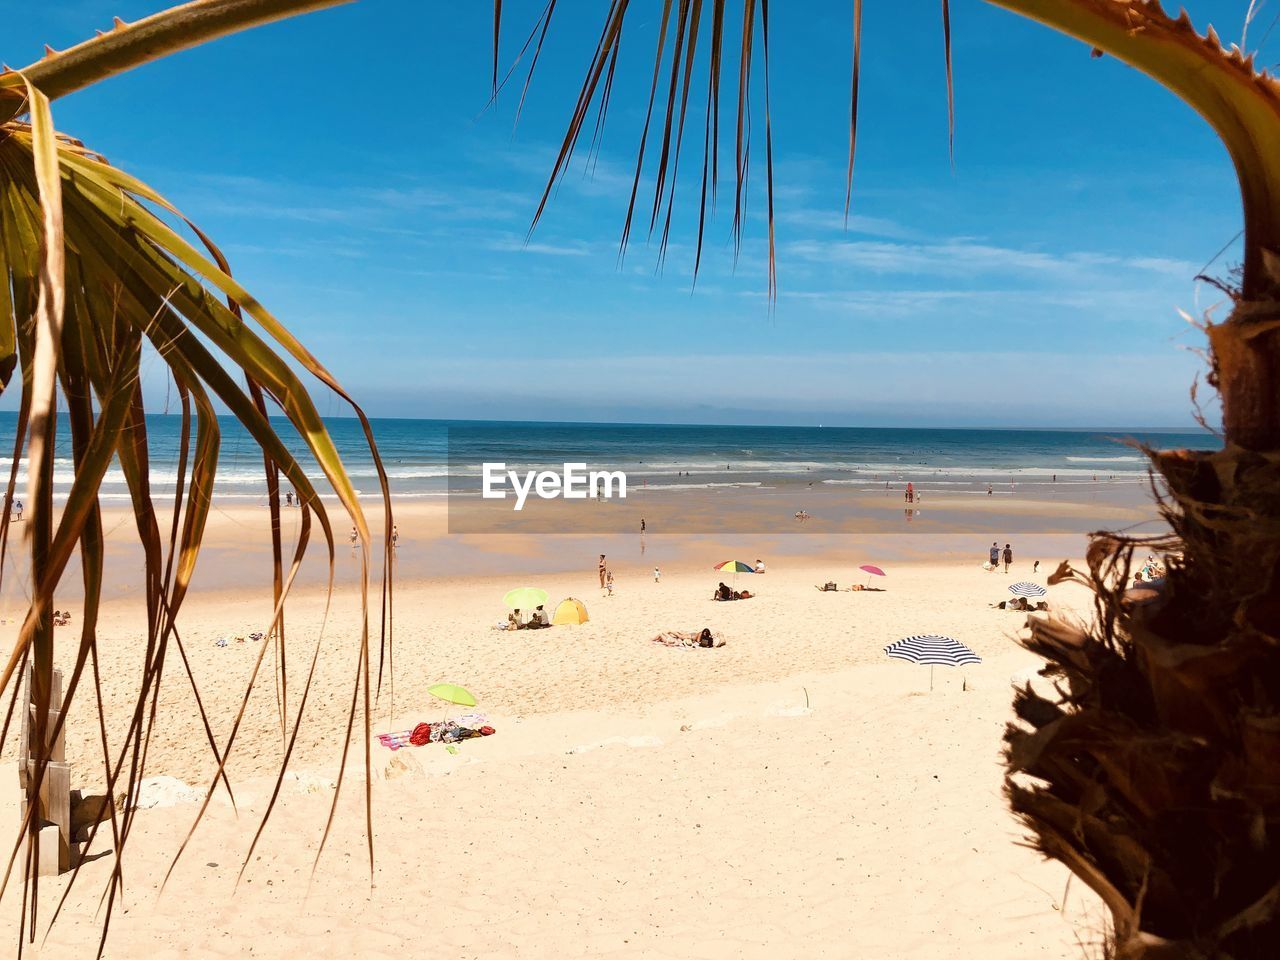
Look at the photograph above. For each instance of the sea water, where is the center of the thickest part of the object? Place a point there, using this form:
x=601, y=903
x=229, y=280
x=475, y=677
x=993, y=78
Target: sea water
x=428, y=458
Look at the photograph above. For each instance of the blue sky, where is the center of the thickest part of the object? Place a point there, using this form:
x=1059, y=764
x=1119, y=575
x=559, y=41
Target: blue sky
x=348, y=165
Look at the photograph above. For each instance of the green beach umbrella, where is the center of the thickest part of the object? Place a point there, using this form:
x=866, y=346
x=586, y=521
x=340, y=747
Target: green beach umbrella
x=452, y=693
x=525, y=598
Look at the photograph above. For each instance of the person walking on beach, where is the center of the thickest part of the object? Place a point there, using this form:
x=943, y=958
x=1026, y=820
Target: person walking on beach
x=642, y=524
x=911, y=492
x=994, y=555
x=602, y=571
x=657, y=575
x=354, y=536
x=608, y=584
x=1008, y=557
x=988, y=489
x=17, y=508
x=395, y=536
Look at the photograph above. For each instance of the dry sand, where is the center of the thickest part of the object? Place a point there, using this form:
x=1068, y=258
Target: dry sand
x=793, y=793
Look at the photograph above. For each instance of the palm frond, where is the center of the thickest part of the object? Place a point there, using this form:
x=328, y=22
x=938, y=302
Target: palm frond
x=128, y=45
x=91, y=271
x=679, y=31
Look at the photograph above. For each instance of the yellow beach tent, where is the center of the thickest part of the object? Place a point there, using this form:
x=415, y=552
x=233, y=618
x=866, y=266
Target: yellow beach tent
x=570, y=611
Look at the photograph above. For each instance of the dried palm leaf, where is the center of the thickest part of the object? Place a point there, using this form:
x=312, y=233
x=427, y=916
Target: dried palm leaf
x=91, y=269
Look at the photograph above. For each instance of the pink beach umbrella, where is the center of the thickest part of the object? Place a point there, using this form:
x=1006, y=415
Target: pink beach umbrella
x=872, y=571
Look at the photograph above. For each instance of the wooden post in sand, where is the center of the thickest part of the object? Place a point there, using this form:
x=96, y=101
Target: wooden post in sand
x=53, y=818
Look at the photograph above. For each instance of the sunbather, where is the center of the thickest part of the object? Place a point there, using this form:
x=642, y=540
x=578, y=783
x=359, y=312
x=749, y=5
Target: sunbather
x=677, y=638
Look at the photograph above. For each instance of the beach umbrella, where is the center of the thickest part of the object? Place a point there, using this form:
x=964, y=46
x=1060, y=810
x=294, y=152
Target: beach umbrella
x=735, y=567
x=452, y=693
x=1025, y=588
x=872, y=571
x=525, y=598
x=570, y=610
x=933, y=649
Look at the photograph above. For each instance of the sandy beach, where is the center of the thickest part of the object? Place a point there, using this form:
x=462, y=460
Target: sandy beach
x=792, y=793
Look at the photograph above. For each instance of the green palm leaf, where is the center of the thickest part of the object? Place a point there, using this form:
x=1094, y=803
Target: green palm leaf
x=91, y=270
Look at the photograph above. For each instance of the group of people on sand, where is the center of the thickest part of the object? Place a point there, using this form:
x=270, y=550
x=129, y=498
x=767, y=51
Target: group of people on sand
x=1021, y=603
x=723, y=591
x=995, y=556
x=1152, y=570
x=606, y=577
x=537, y=620
x=726, y=592
x=677, y=638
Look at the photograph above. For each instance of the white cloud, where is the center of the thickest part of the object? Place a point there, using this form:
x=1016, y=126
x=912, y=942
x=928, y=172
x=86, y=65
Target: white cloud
x=964, y=257
x=513, y=244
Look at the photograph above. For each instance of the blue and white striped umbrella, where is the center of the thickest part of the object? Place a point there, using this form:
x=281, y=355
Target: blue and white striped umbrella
x=1025, y=588
x=932, y=649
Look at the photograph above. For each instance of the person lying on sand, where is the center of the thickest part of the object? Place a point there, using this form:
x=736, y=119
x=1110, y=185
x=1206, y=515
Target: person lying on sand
x=1021, y=604
x=702, y=638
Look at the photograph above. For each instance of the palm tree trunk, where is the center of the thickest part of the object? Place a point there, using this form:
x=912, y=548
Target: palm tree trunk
x=1246, y=357
x=1156, y=776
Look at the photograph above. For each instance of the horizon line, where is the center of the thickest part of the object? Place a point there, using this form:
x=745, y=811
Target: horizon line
x=1188, y=428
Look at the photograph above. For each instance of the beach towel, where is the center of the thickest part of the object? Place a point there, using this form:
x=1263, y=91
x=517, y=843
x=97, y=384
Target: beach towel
x=449, y=731
x=394, y=741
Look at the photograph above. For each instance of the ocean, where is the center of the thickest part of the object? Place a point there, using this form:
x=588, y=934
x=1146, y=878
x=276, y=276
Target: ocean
x=431, y=458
